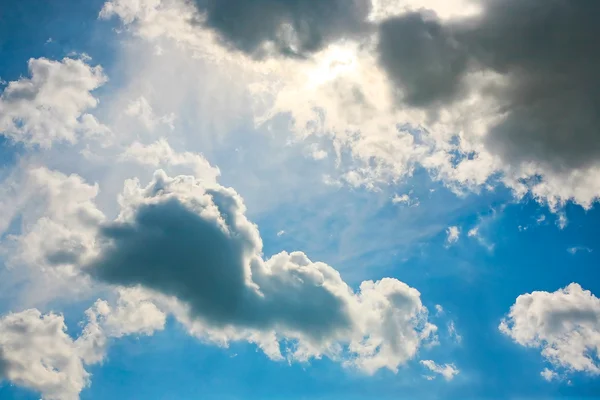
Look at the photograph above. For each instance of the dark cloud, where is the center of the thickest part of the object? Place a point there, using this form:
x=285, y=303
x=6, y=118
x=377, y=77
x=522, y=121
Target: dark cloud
x=546, y=49
x=422, y=58
x=206, y=261
x=248, y=24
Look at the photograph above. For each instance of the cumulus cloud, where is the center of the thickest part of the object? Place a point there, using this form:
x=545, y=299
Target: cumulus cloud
x=37, y=353
x=192, y=242
x=473, y=110
x=51, y=105
x=564, y=324
x=448, y=371
x=58, y=224
x=546, y=91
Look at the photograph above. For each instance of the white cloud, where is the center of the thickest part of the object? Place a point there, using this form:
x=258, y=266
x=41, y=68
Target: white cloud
x=380, y=326
x=51, y=105
x=576, y=249
x=439, y=310
x=564, y=324
x=141, y=109
x=160, y=154
x=548, y=374
x=405, y=199
x=37, y=353
x=448, y=371
x=453, y=333
x=453, y=233
x=341, y=94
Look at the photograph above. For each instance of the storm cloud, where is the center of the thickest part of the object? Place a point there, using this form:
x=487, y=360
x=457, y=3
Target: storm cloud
x=294, y=27
x=545, y=54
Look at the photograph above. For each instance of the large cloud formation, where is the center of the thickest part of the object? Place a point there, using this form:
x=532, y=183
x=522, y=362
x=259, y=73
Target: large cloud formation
x=477, y=92
x=184, y=240
x=544, y=54
x=565, y=324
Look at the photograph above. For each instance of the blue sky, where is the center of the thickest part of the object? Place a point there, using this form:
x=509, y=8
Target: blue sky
x=457, y=229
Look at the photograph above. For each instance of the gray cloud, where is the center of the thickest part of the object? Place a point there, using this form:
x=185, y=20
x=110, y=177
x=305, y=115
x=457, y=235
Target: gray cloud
x=248, y=25
x=173, y=250
x=547, y=51
x=422, y=57
x=185, y=241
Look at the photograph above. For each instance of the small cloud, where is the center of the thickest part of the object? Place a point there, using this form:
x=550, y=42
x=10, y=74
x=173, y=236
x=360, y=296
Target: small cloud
x=406, y=200
x=549, y=375
x=540, y=219
x=448, y=371
x=576, y=249
x=562, y=221
x=317, y=153
x=439, y=310
x=453, y=333
x=281, y=233
x=473, y=232
x=453, y=235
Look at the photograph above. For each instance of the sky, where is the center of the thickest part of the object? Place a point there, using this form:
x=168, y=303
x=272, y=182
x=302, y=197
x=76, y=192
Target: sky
x=289, y=199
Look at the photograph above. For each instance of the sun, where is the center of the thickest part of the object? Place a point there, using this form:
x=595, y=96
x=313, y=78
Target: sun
x=335, y=61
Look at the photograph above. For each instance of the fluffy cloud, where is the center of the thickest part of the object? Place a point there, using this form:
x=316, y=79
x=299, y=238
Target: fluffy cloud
x=191, y=242
x=58, y=221
x=448, y=371
x=160, y=154
x=51, y=105
x=564, y=324
x=446, y=86
x=545, y=93
x=37, y=353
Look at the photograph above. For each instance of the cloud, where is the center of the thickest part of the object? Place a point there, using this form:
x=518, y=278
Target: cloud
x=37, y=353
x=453, y=233
x=58, y=221
x=160, y=154
x=291, y=27
x=141, y=109
x=564, y=324
x=453, y=333
x=51, y=105
x=448, y=371
x=443, y=108
x=548, y=374
x=405, y=199
x=133, y=314
x=191, y=242
x=576, y=249
x=546, y=91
